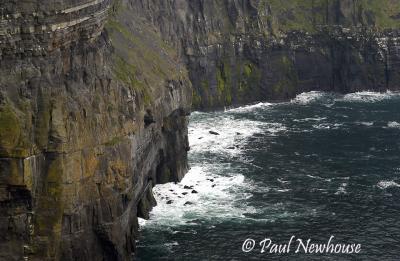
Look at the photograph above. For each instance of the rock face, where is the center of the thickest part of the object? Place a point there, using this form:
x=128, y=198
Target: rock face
x=94, y=99
x=93, y=113
x=240, y=51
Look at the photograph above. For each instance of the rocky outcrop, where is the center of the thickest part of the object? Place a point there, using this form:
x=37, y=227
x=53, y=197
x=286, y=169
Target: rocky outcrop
x=93, y=108
x=241, y=51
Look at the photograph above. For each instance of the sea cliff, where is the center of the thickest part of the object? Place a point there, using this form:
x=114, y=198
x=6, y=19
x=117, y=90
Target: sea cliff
x=95, y=94
x=242, y=51
x=93, y=110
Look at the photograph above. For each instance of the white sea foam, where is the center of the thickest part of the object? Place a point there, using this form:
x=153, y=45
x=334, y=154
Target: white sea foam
x=384, y=184
x=365, y=123
x=310, y=119
x=368, y=96
x=212, y=191
x=232, y=133
x=316, y=177
x=394, y=125
x=249, y=108
x=327, y=126
x=342, y=189
x=283, y=181
x=308, y=97
x=364, y=96
x=206, y=196
x=171, y=244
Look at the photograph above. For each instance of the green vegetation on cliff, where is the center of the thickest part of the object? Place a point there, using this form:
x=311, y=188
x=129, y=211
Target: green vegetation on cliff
x=9, y=127
x=224, y=83
x=308, y=14
x=287, y=79
x=142, y=60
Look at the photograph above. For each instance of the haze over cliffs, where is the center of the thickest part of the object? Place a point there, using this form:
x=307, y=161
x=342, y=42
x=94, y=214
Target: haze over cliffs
x=94, y=98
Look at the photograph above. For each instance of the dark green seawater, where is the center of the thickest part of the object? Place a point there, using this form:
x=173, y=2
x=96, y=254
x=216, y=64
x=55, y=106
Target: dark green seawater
x=317, y=166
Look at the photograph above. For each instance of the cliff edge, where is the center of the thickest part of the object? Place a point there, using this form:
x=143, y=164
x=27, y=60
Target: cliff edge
x=93, y=114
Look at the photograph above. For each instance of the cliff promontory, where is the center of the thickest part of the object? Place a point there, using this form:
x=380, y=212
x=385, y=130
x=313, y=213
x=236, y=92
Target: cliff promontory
x=93, y=108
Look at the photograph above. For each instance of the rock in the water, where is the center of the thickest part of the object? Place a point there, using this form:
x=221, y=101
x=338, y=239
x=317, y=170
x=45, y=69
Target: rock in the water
x=169, y=202
x=213, y=132
x=194, y=192
x=188, y=203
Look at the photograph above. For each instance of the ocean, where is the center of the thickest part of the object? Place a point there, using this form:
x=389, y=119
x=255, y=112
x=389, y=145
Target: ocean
x=318, y=166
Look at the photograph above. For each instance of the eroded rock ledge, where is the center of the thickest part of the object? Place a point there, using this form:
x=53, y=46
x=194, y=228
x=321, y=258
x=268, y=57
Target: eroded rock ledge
x=93, y=114
x=33, y=28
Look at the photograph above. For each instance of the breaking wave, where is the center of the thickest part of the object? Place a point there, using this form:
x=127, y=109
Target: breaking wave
x=203, y=194
x=367, y=96
x=309, y=97
x=384, y=184
x=394, y=125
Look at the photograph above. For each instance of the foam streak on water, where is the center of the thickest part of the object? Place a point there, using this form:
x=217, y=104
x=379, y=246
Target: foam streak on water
x=367, y=96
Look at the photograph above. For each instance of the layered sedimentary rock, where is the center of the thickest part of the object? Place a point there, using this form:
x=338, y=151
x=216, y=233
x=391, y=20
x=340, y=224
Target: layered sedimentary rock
x=94, y=99
x=93, y=108
x=240, y=51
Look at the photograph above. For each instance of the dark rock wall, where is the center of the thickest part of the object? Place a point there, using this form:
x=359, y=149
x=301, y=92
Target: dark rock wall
x=94, y=99
x=93, y=113
x=241, y=51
